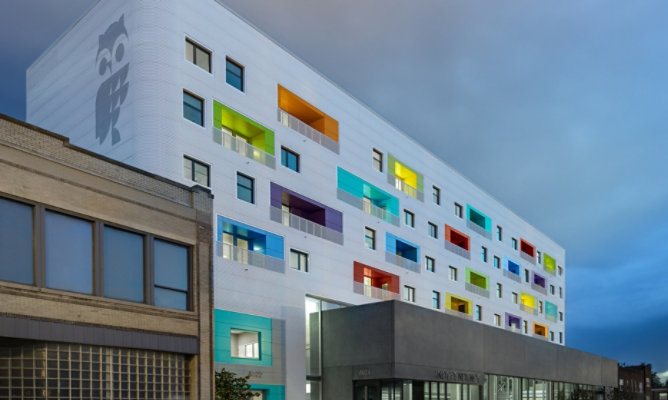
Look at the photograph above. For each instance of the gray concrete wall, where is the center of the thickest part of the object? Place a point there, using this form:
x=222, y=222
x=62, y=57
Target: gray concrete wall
x=398, y=340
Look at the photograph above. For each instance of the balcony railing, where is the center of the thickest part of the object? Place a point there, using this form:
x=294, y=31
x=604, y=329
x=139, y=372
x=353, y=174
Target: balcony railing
x=477, y=290
x=402, y=262
x=551, y=318
x=405, y=187
x=513, y=328
x=296, y=124
x=538, y=288
x=478, y=229
x=288, y=219
x=458, y=314
x=374, y=292
x=538, y=336
x=528, y=258
x=528, y=309
x=458, y=250
x=249, y=257
x=367, y=207
x=229, y=141
x=511, y=275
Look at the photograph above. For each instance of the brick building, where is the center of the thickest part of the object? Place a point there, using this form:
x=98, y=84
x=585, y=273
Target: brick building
x=105, y=275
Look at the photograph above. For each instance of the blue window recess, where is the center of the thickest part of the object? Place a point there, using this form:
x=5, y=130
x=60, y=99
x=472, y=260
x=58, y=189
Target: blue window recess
x=401, y=247
x=227, y=322
x=512, y=266
x=479, y=218
x=258, y=241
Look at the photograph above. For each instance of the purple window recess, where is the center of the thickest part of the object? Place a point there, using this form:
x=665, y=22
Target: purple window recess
x=306, y=208
x=513, y=320
x=538, y=280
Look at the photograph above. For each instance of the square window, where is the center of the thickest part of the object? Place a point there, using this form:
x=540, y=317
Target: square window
x=499, y=233
x=370, y=238
x=244, y=344
x=459, y=210
x=515, y=297
x=433, y=230
x=377, y=160
x=497, y=262
x=234, y=74
x=289, y=159
x=497, y=320
x=298, y=260
x=436, y=195
x=429, y=264
x=198, y=55
x=245, y=188
x=436, y=300
x=453, y=273
x=193, y=108
x=513, y=243
x=499, y=290
x=483, y=253
x=409, y=294
x=196, y=171
x=478, y=313
x=409, y=218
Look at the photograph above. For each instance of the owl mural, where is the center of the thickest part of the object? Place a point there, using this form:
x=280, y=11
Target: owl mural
x=112, y=92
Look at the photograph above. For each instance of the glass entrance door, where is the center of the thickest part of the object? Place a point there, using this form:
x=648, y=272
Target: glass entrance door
x=366, y=391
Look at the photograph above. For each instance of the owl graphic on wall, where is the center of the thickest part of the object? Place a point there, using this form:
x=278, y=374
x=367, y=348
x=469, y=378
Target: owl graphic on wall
x=111, y=64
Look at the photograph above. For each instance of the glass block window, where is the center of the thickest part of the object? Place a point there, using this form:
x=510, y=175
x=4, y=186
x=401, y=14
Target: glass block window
x=74, y=371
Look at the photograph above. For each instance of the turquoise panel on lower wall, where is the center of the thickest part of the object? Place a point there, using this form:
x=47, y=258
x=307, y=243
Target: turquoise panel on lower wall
x=224, y=321
x=272, y=392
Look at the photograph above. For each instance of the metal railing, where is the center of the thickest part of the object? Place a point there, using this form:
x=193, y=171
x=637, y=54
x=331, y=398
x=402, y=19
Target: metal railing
x=551, y=318
x=402, y=262
x=538, y=336
x=538, y=288
x=528, y=309
x=478, y=229
x=458, y=314
x=374, y=292
x=513, y=328
x=288, y=219
x=405, y=187
x=458, y=250
x=245, y=256
x=231, y=142
x=511, y=275
x=298, y=125
x=477, y=290
x=527, y=257
x=367, y=207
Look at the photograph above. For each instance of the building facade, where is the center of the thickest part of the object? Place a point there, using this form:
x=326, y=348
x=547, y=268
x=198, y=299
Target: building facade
x=635, y=382
x=105, y=276
x=319, y=202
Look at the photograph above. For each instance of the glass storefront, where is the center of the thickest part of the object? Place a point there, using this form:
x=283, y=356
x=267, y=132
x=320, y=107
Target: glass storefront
x=496, y=387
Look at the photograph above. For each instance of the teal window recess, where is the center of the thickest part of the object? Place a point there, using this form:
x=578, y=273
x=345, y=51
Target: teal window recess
x=271, y=392
x=255, y=239
x=401, y=247
x=227, y=323
x=360, y=188
x=551, y=309
x=478, y=218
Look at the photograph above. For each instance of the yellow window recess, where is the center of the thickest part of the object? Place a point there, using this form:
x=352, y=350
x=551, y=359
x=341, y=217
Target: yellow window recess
x=456, y=303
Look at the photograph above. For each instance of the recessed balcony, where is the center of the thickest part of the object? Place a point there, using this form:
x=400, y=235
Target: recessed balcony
x=245, y=244
x=457, y=242
x=374, y=282
x=367, y=197
x=402, y=253
x=528, y=251
x=404, y=179
x=478, y=222
x=302, y=117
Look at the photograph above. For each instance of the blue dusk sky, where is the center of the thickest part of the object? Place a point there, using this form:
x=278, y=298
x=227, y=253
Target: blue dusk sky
x=557, y=109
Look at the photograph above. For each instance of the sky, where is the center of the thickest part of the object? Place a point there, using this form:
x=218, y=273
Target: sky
x=556, y=109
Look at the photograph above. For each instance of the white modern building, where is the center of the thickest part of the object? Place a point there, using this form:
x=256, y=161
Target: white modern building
x=319, y=202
